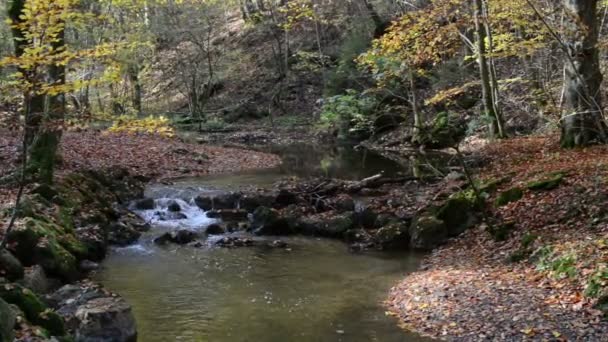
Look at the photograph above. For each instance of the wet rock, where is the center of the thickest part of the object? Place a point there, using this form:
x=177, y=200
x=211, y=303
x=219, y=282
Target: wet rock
x=88, y=266
x=217, y=201
x=122, y=234
x=180, y=237
x=332, y=226
x=184, y=236
x=278, y=244
x=355, y=235
x=365, y=218
x=7, y=321
x=95, y=239
x=164, y=239
x=250, y=201
x=458, y=212
x=228, y=214
x=170, y=215
x=174, y=207
x=10, y=266
x=266, y=221
x=145, y=204
x=234, y=241
x=215, y=229
x=427, y=232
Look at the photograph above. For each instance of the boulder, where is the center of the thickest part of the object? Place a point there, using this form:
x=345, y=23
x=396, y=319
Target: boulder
x=228, y=200
x=285, y=198
x=228, y=215
x=36, y=280
x=106, y=319
x=251, y=200
x=94, y=314
x=170, y=215
x=180, y=237
x=33, y=308
x=145, y=204
x=549, y=183
x=174, y=206
x=215, y=229
x=427, y=232
x=393, y=236
x=266, y=221
x=7, y=321
x=10, y=266
x=457, y=212
x=508, y=196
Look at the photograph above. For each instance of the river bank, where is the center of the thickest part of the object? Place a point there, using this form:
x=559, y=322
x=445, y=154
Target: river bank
x=542, y=275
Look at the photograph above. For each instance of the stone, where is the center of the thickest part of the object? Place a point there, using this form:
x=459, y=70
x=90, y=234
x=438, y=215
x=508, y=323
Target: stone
x=36, y=280
x=266, y=221
x=393, y=236
x=427, y=232
x=174, y=207
x=228, y=214
x=285, y=198
x=164, y=239
x=33, y=308
x=7, y=321
x=106, y=319
x=457, y=213
x=215, y=229
x=88, y=266
x=184, y=236
x=170, y=215
x=508, y=196
x=145, y=204
x=228, y=200
x=10, y=266
x=548, y=183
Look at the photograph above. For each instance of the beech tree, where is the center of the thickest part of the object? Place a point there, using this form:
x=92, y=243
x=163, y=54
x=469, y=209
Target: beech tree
x=582, y=121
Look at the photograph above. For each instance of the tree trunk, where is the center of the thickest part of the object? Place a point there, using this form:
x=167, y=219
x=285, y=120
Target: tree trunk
x=43, y=150
x=582, y=121
x=484, y=71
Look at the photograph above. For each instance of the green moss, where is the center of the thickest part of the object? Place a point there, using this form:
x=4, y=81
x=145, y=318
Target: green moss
x=7, y=321
x=491, y=185
x=457, y=211
x=55, y=259
x=74, y=246
x=33, y=308
x=502, y=231
x=508, y=196
x=548, y=183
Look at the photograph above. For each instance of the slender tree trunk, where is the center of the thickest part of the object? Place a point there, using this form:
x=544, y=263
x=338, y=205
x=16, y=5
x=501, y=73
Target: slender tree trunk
x=493, y=77
x=414, y=100
x=484, y=71
x=582, y=120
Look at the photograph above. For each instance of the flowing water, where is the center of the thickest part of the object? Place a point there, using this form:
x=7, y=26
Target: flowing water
x=314, y=290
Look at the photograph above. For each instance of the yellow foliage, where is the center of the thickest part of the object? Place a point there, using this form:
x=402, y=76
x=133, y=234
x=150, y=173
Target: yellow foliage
x=153, y=125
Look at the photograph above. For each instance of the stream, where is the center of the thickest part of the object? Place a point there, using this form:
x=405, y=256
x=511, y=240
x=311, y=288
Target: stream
x=315, y=290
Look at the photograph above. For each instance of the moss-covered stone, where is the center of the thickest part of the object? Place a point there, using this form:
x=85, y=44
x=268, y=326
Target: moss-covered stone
x=508, y=196
x=458, y=212
x=10, y=266
x=7, y=322
x=33, y=308
x=501, y=232
x=547, y=183
x=55, y=259
x=393, y=235
x=427, y=232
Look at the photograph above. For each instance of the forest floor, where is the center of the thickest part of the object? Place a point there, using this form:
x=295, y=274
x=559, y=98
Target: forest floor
x=543, y=279
x=150, y=156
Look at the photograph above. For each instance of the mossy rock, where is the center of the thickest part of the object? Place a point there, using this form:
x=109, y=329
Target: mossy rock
x=502, y=231
x=10, y=266
x=7, y=321
x=427, y=232
x=444, y=131
x=508, y=196
x=393, y=235
x=491, y=185
x=458, y=212
x=547, y=184
x=33, y=308
x=55, y=259
x=602, y=304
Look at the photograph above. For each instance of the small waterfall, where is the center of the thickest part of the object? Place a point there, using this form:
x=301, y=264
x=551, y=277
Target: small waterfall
x=190, y=216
